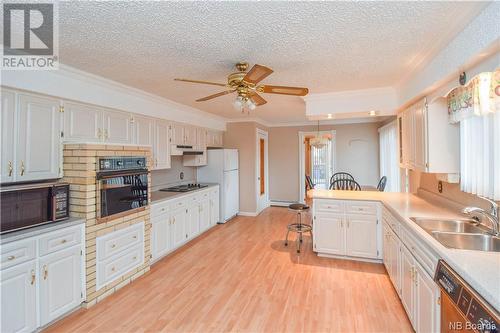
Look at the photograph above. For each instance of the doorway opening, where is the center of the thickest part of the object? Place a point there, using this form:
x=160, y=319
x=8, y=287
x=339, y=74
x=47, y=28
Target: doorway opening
x=317, y=164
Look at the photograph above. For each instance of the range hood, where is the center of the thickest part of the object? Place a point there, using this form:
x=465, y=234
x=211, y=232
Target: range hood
x=180, y=150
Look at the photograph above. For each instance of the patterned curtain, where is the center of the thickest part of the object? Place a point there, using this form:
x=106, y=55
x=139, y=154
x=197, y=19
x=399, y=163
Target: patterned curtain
x=479, y=97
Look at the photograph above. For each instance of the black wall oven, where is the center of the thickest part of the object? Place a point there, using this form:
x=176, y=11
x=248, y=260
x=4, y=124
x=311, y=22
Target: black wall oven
x=122, y=185
x=26, y=206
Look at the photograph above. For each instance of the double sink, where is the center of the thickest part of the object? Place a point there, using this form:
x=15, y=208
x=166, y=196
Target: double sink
x=465, y=234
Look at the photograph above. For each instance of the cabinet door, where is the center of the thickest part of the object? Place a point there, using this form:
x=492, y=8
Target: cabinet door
x=8, y=118
x=427, y=309
x=39, y=140
x=143, y=131
x=395, y=257
x=60, y=283
x=361, y=236
x=161, y=145
x=386, y=251
x=408, y=283
x=205, y=216
x=201, y=138
x=82, y=123
x=161, y=236
x=190, y=135
x=214, y=207
x=193, y=220
x=419, y=137
x=178, y=227
x=329, y=234
x=218, y=139
x=117, y=127
x=176, y=134
x=18, y=286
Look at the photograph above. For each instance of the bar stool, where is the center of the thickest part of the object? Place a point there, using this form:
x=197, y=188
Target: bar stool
x=299, y=227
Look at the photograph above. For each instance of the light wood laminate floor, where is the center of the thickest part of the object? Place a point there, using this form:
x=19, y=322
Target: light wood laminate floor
x=240, y=277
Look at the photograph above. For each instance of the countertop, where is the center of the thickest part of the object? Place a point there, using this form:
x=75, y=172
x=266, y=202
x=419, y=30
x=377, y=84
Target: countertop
x=41, y=229
x=158, y=196
x=480, y=269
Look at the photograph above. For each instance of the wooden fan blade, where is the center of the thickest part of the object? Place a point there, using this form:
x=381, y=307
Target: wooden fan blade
x=258, y=100
x=202, y=82
x=257, y=74
x=295, y=91
x=214, y=96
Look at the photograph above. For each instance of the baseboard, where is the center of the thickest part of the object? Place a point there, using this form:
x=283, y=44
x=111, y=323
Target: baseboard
x=253, y=214
x=280, y=203
x=333, y=256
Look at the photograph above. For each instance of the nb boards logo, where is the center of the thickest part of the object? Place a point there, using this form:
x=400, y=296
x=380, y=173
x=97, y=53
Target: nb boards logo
x=30, y=36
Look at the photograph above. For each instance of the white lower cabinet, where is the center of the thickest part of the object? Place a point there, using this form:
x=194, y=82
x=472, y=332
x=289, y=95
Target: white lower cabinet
x=418, y=292
x=177, y=221
x=347, y=228
x=46, y=286
x=60, y=283
x=19, y=308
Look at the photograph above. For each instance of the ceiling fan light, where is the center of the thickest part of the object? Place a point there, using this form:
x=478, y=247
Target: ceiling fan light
x=252, y=106
x=237, y=104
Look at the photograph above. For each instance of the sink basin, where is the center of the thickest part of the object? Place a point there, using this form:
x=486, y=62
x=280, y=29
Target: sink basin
x=479, y=242
x=457, y=225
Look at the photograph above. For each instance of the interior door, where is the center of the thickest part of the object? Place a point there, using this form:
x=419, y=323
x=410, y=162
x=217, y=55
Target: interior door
x=60, y=283
x=262, y=172
x=39, y=141
x=8, y=118
x=18, y=287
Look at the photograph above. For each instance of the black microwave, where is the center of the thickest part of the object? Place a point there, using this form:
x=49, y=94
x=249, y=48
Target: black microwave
x=31, y=205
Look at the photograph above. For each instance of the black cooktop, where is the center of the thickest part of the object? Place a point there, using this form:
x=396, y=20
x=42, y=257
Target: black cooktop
x=184, y=188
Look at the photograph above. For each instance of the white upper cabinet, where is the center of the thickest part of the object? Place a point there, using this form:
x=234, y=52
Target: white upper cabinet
x=176, y=134
x=143, y=130
x=161, y=149
x=117, y=126
x=82, y=123
x=190, y=135
x=428, y=142
x=38, y=146
x=213, y=138
x=8, y=118
x=201, y=138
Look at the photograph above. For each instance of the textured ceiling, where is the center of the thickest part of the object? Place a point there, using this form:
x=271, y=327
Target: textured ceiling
x=325, y=46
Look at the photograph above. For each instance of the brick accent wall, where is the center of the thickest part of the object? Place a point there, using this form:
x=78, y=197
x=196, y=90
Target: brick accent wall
x=80, y=164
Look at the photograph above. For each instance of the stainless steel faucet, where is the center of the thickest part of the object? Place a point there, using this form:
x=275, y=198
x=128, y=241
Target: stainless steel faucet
x=492, y=215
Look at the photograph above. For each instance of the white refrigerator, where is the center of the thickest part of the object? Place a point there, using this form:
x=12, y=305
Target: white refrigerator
x=222, y=168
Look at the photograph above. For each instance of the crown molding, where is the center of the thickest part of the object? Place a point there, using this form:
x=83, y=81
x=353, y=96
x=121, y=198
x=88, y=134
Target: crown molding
x=345, y=121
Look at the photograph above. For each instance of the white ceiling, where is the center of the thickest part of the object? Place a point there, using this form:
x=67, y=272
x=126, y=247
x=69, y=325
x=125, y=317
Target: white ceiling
x=325, y=46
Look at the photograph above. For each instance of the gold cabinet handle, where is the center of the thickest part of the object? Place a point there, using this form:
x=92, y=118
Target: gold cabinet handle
x=113, y=246
x=112, y=269
x=10, y=258
x=99, y=133
x=22, y=168
x=11, y=169
x=105, y=134
x=134, y=258
x=63, y=241
x=45, y=272
x=33, y=276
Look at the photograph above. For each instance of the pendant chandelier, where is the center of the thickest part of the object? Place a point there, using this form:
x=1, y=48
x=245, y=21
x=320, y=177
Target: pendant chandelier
x=318, y=141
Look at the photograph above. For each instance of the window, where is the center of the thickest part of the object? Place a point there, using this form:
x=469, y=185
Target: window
x=389, y=165
x=480, y=155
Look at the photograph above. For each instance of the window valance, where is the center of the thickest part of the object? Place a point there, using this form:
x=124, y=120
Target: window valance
x=481, y=96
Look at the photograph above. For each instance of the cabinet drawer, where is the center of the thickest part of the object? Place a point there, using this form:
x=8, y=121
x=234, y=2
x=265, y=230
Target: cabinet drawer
x=329, y=206
x=17, y=252
x=423, y=256
x=204, y=195
x=391, y=221
x=117, y=241
x=118, y=265
x=178, y=203
x=60, y=239
x=160, y=208
x=361, y=207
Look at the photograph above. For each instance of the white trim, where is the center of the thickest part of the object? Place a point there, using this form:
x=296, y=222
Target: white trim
x=278, y=203
x=251, y=214
x=336, y=256
x=260, y=132
x=343, y=121
x=302, y=177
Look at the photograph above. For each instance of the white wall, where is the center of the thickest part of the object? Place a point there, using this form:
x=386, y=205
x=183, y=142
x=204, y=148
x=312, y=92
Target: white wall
x=73, y=84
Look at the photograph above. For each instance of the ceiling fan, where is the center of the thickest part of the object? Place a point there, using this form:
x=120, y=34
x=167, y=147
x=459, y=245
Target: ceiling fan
x=245, y=84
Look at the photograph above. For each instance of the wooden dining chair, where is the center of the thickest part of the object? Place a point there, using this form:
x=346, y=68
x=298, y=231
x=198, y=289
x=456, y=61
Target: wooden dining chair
x=381, y=184
x=345, y=185
x=340, y=176
x=309, y=182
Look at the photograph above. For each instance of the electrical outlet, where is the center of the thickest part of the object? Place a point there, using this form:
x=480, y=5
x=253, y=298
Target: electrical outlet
x=440, y=187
